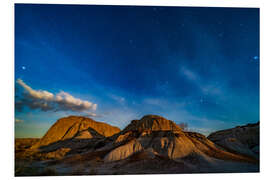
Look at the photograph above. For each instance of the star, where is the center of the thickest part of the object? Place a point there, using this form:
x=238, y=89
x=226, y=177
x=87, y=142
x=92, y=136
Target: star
x=201, y=100
x=23, y=67
x=256, y=57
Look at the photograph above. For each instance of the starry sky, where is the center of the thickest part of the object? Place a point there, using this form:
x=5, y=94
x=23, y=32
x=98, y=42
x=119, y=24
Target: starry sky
x=114, y=64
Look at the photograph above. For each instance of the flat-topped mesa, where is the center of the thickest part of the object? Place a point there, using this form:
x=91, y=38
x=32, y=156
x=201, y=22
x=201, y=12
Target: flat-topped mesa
x=78, y=127
x=152, y=123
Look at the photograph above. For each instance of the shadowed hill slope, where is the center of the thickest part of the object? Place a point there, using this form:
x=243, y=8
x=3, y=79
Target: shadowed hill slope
x=241, y=139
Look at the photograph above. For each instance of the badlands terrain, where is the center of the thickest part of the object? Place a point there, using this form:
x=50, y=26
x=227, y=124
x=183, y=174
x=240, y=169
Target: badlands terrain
x=78, y=145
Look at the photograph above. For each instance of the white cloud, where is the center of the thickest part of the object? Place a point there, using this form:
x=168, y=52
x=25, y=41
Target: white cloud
x=44, y=100
x=38, y=94
x=66, y=101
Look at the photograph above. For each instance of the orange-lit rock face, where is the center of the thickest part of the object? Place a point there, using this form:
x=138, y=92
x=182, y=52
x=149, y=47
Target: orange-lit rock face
x=76, y=127
x=152, y=123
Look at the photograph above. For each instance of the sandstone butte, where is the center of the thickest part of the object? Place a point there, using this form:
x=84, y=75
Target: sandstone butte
x=76, y=127
x=152, y=135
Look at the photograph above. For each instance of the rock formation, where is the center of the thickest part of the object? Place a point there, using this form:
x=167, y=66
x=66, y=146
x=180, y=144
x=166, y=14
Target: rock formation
x=164, y=138
x=241, y=139
x=77, y=145
x=76, y=127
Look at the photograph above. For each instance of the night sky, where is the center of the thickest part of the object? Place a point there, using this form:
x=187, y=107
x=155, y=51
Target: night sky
x=118, y=63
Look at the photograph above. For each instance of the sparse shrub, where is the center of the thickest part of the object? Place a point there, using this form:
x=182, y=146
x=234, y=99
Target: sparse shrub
x=183, y=126
x=232, y=139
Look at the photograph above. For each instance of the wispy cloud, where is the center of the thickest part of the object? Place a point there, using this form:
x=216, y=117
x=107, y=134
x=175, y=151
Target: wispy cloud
x=163, y=102
x=206, y=87
x=189, y=74
x=154, y=101
x=46, y=101
x=91, y=114
x=121, y=117
x=119, y=99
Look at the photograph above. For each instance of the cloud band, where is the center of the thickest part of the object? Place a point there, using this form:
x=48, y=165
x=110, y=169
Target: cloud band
x=46, y=101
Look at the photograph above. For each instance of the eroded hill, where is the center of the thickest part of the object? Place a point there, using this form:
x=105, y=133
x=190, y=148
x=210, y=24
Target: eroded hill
x=152, y=144
x=76, y=127
x=241, y=139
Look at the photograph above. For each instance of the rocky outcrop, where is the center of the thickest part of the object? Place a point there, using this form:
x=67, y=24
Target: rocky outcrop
x=150, y=145
x=76, y=127
x=152, y=123
x=165, y=139
x=241, y=139
x=124, y=151
x=24, y=143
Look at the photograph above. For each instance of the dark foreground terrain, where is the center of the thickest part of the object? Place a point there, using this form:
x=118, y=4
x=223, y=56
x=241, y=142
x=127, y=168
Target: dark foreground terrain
x=152, y=145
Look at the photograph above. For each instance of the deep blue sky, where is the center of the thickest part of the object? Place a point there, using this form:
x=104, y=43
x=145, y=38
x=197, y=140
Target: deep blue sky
x=193, y=65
